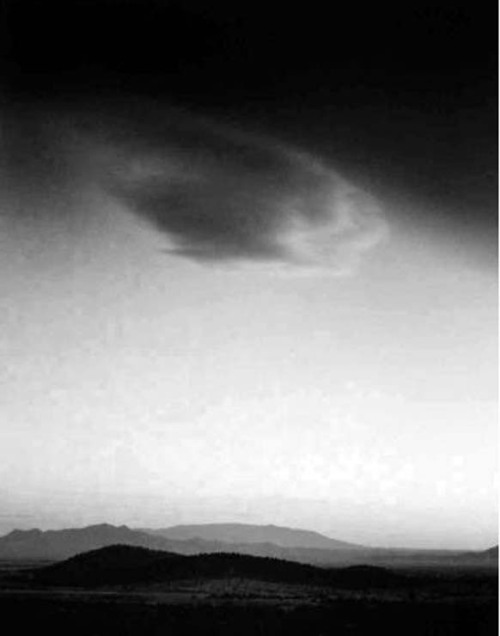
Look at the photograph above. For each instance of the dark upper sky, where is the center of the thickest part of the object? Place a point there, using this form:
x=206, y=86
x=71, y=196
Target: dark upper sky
x=250, y=43
x=408, y=89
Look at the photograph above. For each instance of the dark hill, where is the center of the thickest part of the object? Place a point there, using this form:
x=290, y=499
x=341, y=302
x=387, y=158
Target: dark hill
x=115, y=564
x=126, y=565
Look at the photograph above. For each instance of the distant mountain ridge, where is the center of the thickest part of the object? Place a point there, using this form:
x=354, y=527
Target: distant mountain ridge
x=240, y=533
x=55, y=545
x=485, y=556
x=62, y=544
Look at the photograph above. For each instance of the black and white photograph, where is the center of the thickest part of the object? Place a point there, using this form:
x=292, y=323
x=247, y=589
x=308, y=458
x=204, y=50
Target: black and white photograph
x=248, y=318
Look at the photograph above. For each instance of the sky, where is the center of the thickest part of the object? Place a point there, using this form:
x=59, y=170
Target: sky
x=250, y=284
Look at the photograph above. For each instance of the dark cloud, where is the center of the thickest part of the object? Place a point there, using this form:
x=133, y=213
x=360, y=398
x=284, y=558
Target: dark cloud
x=215, y=192
x=414, y=121
x=219, y=194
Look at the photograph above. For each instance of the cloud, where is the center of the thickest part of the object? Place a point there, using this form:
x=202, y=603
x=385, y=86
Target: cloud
x=220, y=195
x=217, y=194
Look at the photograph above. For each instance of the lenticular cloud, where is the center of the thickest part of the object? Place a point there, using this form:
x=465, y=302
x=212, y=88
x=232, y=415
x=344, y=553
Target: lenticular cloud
x=217, y=195
x=221, y=195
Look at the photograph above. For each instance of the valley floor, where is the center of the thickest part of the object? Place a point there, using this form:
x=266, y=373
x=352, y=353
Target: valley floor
x=437, y=603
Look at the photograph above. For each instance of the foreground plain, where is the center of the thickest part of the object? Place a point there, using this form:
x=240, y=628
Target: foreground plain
x=418, y=601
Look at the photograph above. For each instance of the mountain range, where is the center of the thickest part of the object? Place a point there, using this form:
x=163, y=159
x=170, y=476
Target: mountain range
x=241, y=533
x=62, y=544
x=264, y=541
x=301, y=546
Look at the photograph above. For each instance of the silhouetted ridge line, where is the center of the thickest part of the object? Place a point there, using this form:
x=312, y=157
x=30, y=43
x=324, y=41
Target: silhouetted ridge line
x=126, y=565
x=244, y=533
x=62, y=544
x=263, y=541
x=258, y=541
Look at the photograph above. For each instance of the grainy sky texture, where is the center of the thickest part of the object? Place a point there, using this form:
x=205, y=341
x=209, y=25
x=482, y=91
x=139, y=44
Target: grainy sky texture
x=249, y=287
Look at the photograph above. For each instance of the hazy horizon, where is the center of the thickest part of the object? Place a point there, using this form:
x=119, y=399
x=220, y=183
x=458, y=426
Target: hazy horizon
x=386, y=540
x=276, y=305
